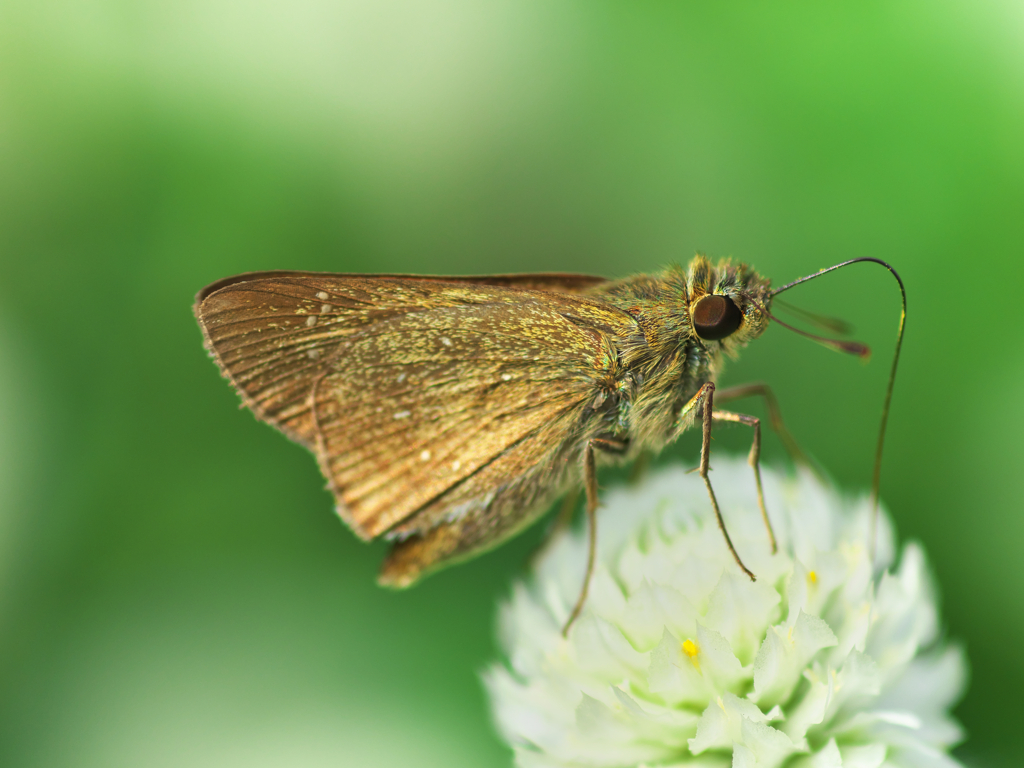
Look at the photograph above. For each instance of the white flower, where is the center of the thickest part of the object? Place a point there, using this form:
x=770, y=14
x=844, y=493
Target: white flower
x=679, y=660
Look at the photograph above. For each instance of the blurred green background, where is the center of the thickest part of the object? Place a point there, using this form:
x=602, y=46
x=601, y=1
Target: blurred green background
x=174, y=587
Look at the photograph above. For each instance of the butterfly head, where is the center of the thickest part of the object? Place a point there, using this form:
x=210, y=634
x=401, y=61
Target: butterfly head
x=727, y=302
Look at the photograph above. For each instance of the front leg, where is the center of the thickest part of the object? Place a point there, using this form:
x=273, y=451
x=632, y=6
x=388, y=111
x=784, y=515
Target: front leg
x=762, y=390
x=702, y=403
x=754, y=459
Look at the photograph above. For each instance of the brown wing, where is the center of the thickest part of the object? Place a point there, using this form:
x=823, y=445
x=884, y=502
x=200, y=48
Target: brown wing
x=561, y=282
x=272, y=332
x=407, y=388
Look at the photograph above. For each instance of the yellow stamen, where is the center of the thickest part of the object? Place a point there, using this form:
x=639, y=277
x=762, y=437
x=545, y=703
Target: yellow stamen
x=812, y=576
x=691, y=649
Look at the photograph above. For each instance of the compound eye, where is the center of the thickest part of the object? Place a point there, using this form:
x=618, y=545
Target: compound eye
x=715, y=317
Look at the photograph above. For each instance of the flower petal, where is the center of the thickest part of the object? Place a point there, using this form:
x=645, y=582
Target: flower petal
x=678, y=660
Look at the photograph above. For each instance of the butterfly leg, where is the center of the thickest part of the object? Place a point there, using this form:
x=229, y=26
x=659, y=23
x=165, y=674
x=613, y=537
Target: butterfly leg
x=590, y=486
x=703, y=403
x=762, y=390
x=754, y=459
x=607, y=443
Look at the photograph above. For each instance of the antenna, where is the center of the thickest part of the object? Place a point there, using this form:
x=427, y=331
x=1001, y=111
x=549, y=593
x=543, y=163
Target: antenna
x=851, y=347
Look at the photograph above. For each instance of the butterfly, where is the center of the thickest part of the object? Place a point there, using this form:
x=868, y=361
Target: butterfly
x=447, y=413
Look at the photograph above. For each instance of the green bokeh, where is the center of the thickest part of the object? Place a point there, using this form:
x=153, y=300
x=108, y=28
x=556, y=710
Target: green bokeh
x=174, y=588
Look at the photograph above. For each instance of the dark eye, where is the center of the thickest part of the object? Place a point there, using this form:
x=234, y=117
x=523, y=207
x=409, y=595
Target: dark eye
x=715, y=317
